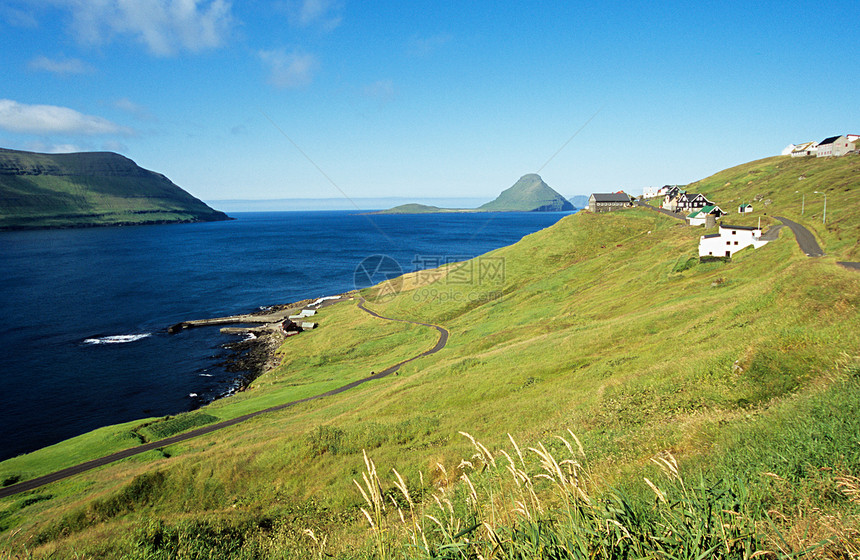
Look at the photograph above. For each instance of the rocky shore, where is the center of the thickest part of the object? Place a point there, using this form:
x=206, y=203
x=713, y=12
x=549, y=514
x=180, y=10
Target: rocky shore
x=256, y=353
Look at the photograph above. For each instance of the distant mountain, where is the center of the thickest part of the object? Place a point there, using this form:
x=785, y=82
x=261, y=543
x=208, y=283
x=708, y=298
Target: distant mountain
x=529, y=194
x=579, y=201
x=419, y=209
x=90, y=189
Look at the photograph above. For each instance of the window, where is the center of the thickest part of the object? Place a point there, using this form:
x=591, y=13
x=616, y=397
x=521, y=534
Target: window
x=734, y=232
x=736, y=242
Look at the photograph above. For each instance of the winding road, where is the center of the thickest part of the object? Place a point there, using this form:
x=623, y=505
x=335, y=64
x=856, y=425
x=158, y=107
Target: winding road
x=804, y=238
x=106, y=460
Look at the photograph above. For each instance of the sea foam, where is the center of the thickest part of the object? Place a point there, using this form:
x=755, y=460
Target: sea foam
x=116, y=339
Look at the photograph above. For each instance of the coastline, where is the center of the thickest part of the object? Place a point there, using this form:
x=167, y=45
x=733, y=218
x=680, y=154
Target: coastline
x=256, y=354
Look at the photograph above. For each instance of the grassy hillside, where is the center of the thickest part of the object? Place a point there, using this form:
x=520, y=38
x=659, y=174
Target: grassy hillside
x=740, y=379
x=89, y=189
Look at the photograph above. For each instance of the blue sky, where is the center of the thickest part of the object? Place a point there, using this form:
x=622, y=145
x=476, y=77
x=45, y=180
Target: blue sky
x=415, y=99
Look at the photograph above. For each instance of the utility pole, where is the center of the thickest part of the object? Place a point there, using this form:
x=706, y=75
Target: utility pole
x=824, y=215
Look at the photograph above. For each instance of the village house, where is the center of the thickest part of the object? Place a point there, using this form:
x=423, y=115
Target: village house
x=804, y=149
x=729, y=241
x=836, y=146
x=606, y=202
x=683, y=201
x=706, y=216
x=745, y=208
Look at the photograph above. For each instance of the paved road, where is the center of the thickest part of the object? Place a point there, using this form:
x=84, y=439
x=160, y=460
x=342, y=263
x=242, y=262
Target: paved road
x=772, y=233
x=102, y=461
x=804, y=237
x=676, y=215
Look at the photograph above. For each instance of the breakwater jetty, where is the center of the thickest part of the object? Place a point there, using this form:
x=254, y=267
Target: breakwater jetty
x=270, y=319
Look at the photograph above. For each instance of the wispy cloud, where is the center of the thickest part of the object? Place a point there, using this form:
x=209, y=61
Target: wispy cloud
x=134, y=109
x=164, y=26
x=422, y=46
x=39, y=146
x=289, y=70
x=17, y=17
x=60, y=66
x=51, y=119
x=115, y=146
x=324, y=13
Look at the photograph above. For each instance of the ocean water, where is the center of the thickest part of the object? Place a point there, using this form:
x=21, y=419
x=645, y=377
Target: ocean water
x=83, y=339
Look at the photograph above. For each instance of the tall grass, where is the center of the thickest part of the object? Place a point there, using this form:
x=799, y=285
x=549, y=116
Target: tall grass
x=539, y=503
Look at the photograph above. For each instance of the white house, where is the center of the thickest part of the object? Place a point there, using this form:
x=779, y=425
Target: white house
x=835, y=146
x=804, y=149
x=729, y=241
x=788, y=149
x=700, y=217
x=653, y=192
x=745, y=208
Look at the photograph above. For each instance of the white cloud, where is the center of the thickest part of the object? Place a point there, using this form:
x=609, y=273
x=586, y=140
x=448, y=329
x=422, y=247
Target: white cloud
x=42, y=147
x=61, y=66
x=164, y=26
x=134, y=109
x=325, y=13
x=51, y=119
x=18, y=18
x=115, y=146
x=289, y=70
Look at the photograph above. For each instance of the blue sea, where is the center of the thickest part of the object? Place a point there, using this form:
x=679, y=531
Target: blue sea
x=83, y=340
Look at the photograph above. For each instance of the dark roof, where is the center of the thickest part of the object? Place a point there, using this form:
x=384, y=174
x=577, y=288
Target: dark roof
x=830, y=140
x=711, y=235
x=610, y=197
x=748, y=228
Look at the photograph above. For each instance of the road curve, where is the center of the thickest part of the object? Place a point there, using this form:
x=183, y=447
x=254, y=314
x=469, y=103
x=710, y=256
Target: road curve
x=804, y=238
x=34, y=483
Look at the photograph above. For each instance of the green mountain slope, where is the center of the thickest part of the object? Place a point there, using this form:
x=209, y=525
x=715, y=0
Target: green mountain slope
x=746, y=372
x=89, y=189
x=529, y=194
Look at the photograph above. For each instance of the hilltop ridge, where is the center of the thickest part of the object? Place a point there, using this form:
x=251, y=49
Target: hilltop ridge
x=90, y=189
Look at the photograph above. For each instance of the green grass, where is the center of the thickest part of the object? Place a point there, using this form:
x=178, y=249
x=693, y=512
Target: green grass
x=737, y=369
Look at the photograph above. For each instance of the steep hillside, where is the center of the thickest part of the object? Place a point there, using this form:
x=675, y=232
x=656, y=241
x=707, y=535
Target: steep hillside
x=528, y=194
x=747, y=373
x=89, y=189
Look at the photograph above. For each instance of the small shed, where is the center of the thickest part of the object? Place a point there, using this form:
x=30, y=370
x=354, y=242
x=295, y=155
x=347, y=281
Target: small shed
x=306, y=326
x=745, y=208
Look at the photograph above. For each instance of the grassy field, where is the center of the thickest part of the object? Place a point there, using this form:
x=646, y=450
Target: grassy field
x=732, y=387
